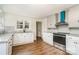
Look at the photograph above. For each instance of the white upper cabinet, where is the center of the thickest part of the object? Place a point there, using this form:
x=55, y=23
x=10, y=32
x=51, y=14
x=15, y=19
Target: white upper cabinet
x=1, y=21
x=51, y=21
x=73, y=16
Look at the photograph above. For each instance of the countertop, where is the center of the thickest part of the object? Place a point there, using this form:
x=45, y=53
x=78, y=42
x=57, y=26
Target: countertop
x=71, y=34
x=23, y=32
x=48, y=32
x=56, y=32
x=5, y=37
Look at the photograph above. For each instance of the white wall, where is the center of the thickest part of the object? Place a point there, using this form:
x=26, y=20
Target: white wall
x=74, y=9
x=1, y=21
x=73, y=19
x=63, y=28
x=44, y=24
x=11, y=20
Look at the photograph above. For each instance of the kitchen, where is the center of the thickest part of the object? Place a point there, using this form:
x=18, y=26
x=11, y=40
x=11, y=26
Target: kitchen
x=60, y=27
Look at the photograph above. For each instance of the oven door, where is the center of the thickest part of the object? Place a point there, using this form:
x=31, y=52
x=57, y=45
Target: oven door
x=59, y=39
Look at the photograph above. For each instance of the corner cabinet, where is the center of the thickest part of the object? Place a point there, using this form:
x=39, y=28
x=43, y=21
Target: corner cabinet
x=48, y=38
x=23, y=38
x=73, y=17
x=51, y=21
x=72, y=44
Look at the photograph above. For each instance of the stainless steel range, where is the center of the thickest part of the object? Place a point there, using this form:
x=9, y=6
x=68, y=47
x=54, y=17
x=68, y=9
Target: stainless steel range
x=60, y=40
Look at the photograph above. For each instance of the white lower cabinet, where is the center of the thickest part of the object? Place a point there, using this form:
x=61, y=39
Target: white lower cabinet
x=72, y=44
x=6, y=48
x=48, y=38
x=10, y=48
x=22, y=38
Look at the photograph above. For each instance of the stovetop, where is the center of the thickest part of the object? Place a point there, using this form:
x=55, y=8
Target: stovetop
x=60, y=33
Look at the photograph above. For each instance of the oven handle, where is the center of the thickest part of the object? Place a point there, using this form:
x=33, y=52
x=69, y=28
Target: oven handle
x=59, y=36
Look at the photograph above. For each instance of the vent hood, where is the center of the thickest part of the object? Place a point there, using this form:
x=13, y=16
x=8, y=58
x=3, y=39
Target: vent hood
x=61, y=24
x=62, y=19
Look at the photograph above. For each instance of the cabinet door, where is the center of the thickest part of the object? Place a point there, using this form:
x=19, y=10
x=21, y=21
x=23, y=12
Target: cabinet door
x=28, y=37
x=73, y=17
x=18, y=39
x=51, y=22
x=77, y=46
x=23, y=38
x=45, y=37
x=70, y=46
x=3, y=49
x=48, y=22
x=1, y=25
x=50, y=38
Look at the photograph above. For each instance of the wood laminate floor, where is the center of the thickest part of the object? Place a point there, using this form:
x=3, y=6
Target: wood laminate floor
x=37, y=48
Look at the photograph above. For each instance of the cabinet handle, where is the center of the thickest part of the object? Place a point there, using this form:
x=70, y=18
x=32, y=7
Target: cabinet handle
x=75, y=42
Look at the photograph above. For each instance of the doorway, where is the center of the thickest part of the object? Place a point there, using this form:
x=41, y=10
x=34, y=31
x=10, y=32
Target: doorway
x=38, y=30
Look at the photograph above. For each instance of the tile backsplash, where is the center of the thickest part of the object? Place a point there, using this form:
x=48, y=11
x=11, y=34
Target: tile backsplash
x=63, y=29
x=74, y=31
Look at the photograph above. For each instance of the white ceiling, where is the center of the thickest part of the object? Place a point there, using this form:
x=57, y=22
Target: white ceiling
x=35, y=10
